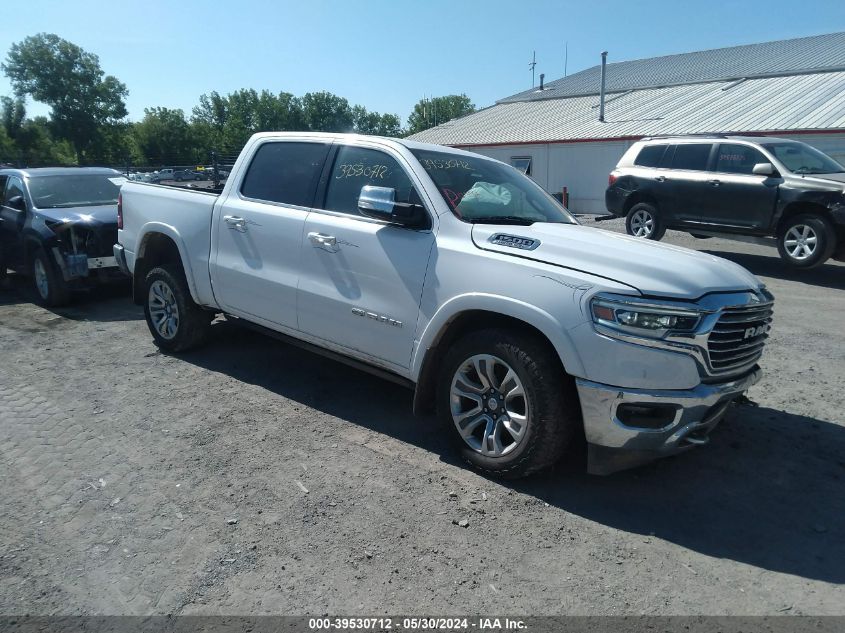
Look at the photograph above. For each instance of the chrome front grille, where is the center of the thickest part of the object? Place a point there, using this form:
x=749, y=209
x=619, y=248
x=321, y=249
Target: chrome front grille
x=738, y=337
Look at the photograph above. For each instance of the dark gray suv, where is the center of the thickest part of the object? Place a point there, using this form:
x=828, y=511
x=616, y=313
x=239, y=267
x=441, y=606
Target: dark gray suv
x=762, y=188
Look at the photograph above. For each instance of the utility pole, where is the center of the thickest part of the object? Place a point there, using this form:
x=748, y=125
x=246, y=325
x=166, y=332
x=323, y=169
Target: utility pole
x=532, y=65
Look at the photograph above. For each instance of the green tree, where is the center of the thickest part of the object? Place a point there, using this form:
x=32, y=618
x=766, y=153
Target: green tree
x=375, y=123
x=326, y=112
x=81, y=97
x=430, y=112
x=29, y=141
x=164, y=137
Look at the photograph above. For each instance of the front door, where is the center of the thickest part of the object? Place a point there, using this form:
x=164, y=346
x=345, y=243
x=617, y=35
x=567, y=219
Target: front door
x=361, y=279
x=738, y=198
x=12, y=218
x=258, y=229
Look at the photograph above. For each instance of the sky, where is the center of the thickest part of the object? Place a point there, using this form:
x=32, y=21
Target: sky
x=387, y=55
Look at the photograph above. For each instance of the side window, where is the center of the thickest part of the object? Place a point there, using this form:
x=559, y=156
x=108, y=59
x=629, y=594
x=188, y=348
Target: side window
x=522, y=163
x=738, y=159
x=285, y=172
x=14, y=187
x=692, y=156
x=650, y=155
x=355, y=167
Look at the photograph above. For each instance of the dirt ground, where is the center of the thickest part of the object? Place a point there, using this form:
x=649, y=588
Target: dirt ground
x=250, y=477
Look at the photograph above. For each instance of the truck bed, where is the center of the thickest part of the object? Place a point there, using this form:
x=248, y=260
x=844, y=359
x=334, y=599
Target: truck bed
x=185, y=215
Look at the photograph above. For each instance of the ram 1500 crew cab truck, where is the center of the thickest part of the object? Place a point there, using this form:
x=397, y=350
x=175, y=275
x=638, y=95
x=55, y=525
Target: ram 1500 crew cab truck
x=459, y=276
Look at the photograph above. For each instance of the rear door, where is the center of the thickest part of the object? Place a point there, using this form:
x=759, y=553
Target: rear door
x=738, y=198
x=258, y=231
x=362, y=279
x=686, y=182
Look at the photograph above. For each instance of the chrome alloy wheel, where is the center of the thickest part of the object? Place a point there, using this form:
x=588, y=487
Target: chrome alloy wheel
x=164, y=313
x=489, y=406
x=642, y=223
x=800, y=242
x=42, y=282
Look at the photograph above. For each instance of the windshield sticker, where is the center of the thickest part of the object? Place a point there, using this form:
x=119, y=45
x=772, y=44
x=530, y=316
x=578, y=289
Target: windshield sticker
x=435, y=163
x=120, y=180
x=453, y=197
x=360, y=170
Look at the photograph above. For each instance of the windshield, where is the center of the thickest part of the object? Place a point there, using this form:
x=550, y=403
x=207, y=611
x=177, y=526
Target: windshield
x=803, y=159
x=76, y=190
x=484, y=191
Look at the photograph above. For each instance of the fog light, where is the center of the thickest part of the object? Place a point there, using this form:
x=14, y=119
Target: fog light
x=646, y=416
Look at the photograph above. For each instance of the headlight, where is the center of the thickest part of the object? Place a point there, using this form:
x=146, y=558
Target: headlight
x=641, y=318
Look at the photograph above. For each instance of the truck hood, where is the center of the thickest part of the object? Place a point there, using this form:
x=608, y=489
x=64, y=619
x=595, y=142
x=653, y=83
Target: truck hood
x=104, y=214
x=652, y=268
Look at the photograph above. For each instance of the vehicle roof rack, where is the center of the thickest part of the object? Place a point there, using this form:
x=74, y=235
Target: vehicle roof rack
x=698, y=135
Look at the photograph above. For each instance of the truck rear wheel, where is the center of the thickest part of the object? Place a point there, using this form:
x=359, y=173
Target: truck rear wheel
x=175, y=321
x=51, y=290
x=806, y=241
x=509, y=406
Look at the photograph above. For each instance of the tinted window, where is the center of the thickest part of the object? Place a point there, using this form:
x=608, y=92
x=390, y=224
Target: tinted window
x=650, y=155
x=738, y=159
x=691, y=156
x=355, y=167
x=285, y=172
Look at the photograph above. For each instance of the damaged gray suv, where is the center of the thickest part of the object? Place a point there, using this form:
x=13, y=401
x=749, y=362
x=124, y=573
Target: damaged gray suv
x=769, y=190
x=57, y=226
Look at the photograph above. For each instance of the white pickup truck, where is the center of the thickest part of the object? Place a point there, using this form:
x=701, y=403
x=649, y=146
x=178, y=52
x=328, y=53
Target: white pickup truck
x=456, y=275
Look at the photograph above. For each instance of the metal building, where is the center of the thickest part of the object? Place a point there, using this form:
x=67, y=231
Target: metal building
x=793, y=88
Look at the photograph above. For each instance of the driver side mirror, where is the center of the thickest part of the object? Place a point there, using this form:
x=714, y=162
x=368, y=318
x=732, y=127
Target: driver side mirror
x=764, y=169
x=17, y=203
x=380, y=203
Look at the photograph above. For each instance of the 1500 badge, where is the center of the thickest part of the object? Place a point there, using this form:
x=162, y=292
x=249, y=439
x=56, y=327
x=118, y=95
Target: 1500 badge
x=515, y=241
x=376, y=317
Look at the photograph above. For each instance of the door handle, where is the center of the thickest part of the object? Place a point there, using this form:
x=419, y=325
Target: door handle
x=235, y=223
x=321, y=240
x=660, y=178
x=715, y=183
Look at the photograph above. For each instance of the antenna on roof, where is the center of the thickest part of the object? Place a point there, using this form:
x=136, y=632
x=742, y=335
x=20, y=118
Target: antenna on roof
x=532, y=65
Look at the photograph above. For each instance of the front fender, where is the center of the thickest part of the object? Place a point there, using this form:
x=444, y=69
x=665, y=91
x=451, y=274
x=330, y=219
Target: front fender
x=543, y=321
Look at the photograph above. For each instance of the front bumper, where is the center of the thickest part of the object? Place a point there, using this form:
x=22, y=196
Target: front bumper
x=614, y=445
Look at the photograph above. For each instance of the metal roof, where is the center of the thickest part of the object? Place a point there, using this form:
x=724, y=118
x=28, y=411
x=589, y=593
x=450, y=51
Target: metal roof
x=802, y=102
x=819, y=53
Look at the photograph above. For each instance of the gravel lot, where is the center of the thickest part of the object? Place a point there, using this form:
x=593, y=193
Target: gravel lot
x=250, y=477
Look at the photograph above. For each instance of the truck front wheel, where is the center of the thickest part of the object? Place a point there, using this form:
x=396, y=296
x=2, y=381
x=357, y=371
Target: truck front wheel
x=175, y=321
x=511, y=409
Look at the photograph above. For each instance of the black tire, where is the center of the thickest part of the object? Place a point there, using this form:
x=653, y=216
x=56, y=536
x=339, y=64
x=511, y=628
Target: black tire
x=191, y=325
x=806, y=225
x=3, y=270
x=50, y=289
x=648, y=212
x=550, y=402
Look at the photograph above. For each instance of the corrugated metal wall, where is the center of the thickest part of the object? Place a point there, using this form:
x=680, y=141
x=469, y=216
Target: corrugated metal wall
x=583, y=167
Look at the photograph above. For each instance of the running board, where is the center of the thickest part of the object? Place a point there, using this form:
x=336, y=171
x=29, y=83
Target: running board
x=326, y=353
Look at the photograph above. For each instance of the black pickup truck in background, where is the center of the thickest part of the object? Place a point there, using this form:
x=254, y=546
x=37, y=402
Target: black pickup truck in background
x=57, y=226
x=753, y=188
